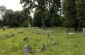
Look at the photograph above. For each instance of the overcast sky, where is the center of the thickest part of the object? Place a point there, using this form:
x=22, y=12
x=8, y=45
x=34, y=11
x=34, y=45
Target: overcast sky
x=11, y=4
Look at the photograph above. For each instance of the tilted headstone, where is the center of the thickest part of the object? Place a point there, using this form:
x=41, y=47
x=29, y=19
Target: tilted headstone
x=38, y=31
x=29, y=25
x=27, y=49
x=43, y=47
x=83, y=30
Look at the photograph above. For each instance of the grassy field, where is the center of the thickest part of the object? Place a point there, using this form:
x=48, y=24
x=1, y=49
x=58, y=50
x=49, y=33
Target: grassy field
x=11, y=41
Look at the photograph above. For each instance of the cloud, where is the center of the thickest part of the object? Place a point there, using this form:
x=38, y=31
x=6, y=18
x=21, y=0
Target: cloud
x=11, y=4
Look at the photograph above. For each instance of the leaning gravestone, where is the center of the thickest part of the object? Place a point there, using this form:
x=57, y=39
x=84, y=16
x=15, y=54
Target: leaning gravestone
x=38, y=31
x=27, y=49
x=43, y=47
x=83, y=30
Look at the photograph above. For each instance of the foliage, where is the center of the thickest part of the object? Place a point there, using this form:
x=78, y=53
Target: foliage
x=69, y=12
x=42, y=5
x=80, y=8
x=74, y=11
x=15, y=19
x=55, y=21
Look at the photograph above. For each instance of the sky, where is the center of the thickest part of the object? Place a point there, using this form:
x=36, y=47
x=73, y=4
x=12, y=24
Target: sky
x=11, y=4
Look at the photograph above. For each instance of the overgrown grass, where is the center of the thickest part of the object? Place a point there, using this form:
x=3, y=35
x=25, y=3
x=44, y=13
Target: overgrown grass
x=11, y=42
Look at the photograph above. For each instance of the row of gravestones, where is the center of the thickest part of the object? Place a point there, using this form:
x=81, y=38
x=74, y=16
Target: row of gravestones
x=38, y=30
x=28, y=48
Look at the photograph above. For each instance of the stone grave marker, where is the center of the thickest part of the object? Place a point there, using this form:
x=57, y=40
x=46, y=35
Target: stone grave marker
x=27, y=49
x=38, y=31
x=84, y=31
x=43, y=47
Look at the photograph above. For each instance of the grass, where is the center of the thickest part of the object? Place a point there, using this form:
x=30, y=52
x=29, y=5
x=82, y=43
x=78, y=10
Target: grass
x=66, y=44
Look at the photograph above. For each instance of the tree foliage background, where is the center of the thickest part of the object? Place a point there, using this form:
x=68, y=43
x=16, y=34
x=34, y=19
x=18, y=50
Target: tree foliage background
x=48, y=13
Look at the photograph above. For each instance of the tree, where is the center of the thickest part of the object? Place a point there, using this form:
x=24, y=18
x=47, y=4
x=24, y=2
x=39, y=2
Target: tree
x=16, y=19
x=80, y=8
x=9, y=18
x=42, y=5
x=56, y=19
x=74, y=12
x=2, y=13
x=69, y=8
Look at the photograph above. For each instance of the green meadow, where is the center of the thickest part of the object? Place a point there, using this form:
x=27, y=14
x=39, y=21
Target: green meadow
x=11, y=41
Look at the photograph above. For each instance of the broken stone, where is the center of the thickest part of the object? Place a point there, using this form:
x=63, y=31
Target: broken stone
x=27, y=49
x=71, y=33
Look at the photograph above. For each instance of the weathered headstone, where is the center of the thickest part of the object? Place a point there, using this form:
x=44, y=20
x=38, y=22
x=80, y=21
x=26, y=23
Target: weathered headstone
x=43, y=47
x=38, y=31
x=83, y=30
x=27, y=49
x=29, y=25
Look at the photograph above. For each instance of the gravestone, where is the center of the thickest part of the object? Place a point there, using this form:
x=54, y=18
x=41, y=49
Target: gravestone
x=43, y=47
x=27, y=49
x=83, y=30
x=29, y=25
x=38, y=31
x=66, y=32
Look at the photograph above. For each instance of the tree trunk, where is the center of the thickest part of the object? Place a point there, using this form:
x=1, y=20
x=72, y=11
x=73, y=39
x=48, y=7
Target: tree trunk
x=76, y=26
x=79, y=27
x=43, y=22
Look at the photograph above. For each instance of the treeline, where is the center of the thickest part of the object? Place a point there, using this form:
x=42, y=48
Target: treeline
x=16, y=19
x=74, y=13
x=48, y=13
